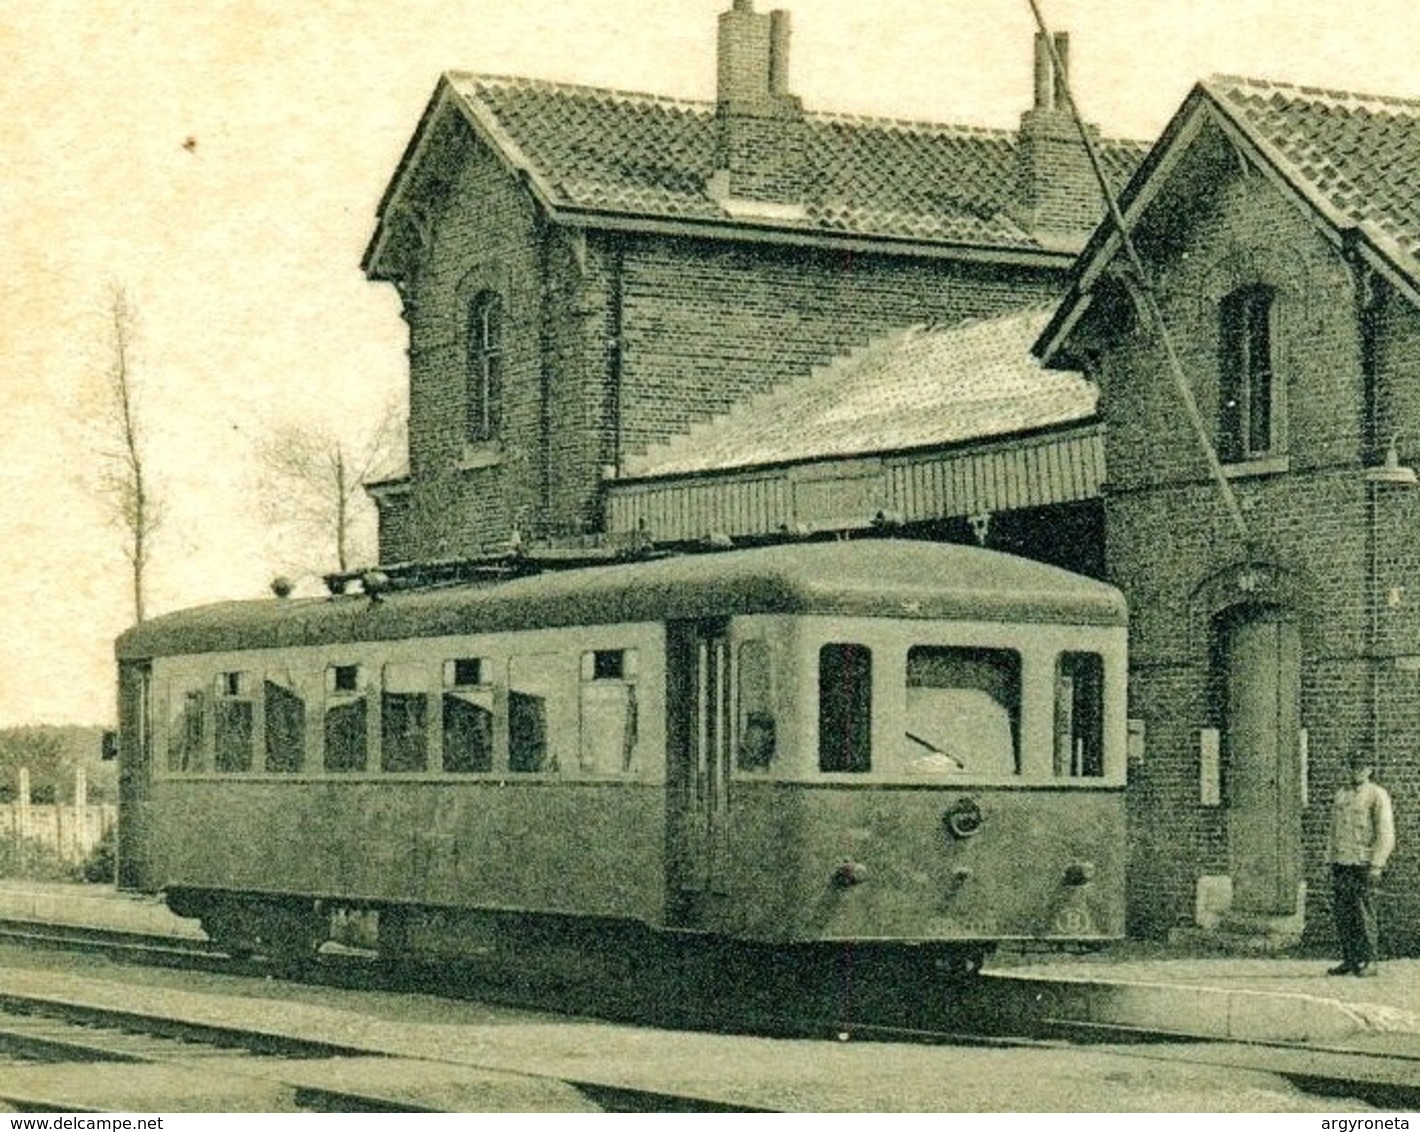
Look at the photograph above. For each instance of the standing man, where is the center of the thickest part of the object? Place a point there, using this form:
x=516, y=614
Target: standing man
x=1362, y=838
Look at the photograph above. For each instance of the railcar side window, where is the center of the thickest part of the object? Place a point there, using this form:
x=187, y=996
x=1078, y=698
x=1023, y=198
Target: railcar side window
x=404, y=719
x=608, y=712
x=530, y=680
x=468, y=716
x=345, y=713
x=1079, y=715
x=285, y=725
x=233, y=714
x=845, y=708
x=963, y=711
x=755, y=744
x=187, y=730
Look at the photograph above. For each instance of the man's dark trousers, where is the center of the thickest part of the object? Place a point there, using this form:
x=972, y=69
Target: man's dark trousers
x=1353, y=899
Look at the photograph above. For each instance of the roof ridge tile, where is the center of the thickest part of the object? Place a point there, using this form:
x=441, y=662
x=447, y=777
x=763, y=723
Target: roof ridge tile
x=1359, y=99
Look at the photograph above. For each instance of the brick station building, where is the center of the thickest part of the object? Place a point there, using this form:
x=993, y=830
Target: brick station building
x=1279, y=232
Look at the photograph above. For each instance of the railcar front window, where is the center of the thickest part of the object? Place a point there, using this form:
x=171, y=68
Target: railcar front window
x=468, y=716
x=232, y=723
x=608, y=712
x=285, y=727
x=530, y=680
x=845, y=708
x=346, y=743
x=963, y=711
x=187, y=732
x=754, y=750
x=1079, y=715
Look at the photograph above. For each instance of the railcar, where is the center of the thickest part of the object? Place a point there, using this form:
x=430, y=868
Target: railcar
x=874, y=741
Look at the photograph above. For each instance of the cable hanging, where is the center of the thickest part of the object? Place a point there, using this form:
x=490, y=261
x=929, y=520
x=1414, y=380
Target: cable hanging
x=1138, y=287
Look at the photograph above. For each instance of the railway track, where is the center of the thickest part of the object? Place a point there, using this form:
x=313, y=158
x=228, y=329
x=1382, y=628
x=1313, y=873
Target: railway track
x=54, y=1055
x=1385, y=1080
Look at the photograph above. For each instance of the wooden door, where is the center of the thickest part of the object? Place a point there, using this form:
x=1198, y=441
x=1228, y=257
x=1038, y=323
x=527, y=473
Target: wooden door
x=1263, y=770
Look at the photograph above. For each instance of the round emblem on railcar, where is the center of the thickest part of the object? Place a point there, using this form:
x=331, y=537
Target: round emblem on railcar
x=1074, y=920
x=963, y=818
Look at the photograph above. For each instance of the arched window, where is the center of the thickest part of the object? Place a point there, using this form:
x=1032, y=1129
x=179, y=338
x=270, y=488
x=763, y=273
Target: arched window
x=1247, y=390
x=485, y=363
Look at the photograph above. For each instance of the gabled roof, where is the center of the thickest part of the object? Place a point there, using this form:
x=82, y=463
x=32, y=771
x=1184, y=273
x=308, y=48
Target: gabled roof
x=1356, y=156
x=914, y=388
x=1353, y=159
x=624, y=159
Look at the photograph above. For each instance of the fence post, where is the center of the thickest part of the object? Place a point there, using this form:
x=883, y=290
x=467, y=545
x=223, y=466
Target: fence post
x=82, y=841
x=23, y=841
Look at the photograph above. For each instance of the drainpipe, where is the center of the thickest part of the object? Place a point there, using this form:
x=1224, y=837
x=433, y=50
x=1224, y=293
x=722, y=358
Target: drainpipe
x=618, y=355
x=1380, y=471
x=544, y=392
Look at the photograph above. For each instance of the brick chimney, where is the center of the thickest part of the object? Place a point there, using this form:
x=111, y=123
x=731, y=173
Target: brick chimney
x=1057, y=197
x=761, y=140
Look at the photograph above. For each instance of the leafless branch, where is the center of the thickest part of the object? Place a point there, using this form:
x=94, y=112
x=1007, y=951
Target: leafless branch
x=124, y=479
x=312, y=484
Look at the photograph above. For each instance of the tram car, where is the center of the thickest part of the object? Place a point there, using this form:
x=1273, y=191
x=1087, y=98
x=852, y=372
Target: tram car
x=873, y=741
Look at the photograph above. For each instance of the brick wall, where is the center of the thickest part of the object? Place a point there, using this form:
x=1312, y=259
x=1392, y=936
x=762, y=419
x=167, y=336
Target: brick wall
x=709, y=324
x=464, y=495
x=1323, y=551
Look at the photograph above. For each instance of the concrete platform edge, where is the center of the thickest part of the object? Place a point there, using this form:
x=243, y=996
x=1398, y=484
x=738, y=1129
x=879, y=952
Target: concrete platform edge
x=1191, y=1011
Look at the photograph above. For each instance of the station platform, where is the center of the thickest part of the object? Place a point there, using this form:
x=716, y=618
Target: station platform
x=1166, y=989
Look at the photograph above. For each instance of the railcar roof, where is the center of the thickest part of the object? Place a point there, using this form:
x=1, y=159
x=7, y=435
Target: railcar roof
x=869, y=578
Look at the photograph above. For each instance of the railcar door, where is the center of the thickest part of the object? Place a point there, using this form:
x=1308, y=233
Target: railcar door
x=135, y=769
x=699, y=713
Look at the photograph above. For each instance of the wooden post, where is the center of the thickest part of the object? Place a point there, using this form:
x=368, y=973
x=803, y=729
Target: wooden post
x=83, y=839
x=23, y=841
x=24, y=801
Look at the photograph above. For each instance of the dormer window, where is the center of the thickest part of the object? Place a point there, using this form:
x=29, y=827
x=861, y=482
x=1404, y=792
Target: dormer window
x=485, y=361
x=1248, y=417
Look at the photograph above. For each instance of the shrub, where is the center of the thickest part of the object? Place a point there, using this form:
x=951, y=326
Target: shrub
x=98, y=866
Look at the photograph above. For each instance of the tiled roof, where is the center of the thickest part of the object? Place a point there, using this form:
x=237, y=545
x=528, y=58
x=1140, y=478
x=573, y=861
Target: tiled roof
x=1358, y=154
x=648, y=156
x=913, y=388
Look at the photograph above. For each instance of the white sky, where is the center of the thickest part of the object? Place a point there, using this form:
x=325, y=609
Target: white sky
x=242, y=254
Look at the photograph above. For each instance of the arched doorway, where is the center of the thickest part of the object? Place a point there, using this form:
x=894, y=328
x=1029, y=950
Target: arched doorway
x=1260, y=649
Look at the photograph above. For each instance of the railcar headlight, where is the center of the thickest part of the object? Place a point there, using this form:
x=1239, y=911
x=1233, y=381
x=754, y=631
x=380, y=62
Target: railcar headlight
x=963, y=818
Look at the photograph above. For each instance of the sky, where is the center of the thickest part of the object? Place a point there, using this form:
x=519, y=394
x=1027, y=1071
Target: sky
x=221, y=162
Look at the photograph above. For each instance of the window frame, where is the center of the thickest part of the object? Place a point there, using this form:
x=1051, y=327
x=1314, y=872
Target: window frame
x=1251, y=419
x=231, y=688
x=856, y=702
x=1086, y=758
x=607, y=692
x=483, y=366
x=337, y=697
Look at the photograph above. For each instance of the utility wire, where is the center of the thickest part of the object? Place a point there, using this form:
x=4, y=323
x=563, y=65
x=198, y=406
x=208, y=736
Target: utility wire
x=1139, y=287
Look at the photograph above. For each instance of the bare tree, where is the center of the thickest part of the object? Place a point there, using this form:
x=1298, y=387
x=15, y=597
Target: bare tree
x=313, y=486
x=125, y=482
